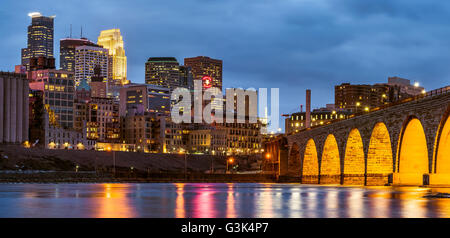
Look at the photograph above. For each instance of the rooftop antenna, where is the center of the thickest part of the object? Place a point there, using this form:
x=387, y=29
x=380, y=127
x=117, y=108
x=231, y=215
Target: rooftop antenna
x=70, y=30
x=81, y=36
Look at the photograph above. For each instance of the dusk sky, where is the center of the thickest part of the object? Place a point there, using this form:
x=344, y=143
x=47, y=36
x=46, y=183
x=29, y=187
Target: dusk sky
x=288, y=44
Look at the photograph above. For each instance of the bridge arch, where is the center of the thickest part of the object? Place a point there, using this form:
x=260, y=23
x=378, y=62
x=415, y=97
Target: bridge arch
x=330, y=166
x=412, y=154
x=354, y=159
x=310, y=165
x=442, y=151
x=380, y=161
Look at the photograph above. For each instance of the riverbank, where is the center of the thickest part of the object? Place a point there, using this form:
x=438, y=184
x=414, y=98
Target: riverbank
x=93, y=177
x=18, y=158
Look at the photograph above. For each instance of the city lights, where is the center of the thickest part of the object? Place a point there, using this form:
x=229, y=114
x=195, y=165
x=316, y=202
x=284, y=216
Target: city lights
x=278, y=120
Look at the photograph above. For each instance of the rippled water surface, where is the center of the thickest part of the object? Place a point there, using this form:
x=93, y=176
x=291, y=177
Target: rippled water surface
x=217, y=200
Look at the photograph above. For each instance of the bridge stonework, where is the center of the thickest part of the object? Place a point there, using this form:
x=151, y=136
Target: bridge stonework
x=377, y=160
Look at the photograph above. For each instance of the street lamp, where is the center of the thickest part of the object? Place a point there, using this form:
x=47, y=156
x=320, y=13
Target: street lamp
x=268, y=157
x=229, y=161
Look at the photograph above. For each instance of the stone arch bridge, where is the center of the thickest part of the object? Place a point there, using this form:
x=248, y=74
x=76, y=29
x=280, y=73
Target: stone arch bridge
x=406, y=143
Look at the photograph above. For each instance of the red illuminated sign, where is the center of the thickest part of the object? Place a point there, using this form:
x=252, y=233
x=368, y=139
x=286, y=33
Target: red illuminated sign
x=207, y=81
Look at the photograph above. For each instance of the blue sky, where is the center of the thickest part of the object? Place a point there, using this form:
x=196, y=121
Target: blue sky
x=288, y=44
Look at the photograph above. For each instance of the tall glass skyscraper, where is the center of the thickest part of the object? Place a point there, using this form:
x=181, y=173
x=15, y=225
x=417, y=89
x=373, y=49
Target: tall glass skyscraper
x=40, y=38
x=113, y=41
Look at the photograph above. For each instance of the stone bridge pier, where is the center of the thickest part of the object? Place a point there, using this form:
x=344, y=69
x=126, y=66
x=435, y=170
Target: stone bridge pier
x=407, y=143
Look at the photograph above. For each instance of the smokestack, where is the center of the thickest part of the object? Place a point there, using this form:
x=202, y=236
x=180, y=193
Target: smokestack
x=308, y=108
x=301, y=108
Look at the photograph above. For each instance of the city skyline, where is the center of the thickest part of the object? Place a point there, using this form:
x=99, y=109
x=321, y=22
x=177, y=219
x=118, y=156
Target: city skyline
x=355, y=43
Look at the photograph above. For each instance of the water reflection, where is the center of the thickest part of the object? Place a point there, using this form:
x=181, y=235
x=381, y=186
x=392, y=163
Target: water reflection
x=231, y=211
x=218, y=200
x=179, y=208
x=115, y=202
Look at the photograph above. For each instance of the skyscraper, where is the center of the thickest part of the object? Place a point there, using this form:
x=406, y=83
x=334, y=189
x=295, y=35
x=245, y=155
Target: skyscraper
x=40, y=38
x=186, y=78
x=205, y=66
x=67, y=52
x=163, y=71
x=87, y=58
x=113, y=41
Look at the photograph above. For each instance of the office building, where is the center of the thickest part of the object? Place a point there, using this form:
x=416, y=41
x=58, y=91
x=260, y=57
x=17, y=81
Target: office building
x=67, y=49
x=87, y=58
x=40, y=38
x=145, y=131
x=163, y=71
x=202, y=66
x=140, y=98
x=113, y=41
x=360, y=98
x=59, y=92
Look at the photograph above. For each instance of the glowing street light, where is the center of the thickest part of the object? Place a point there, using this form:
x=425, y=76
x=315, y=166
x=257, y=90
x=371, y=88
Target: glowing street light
x=269, y=157
x=229, y=161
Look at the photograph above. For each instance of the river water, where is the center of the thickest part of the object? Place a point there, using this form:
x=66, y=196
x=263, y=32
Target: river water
x=217, y=200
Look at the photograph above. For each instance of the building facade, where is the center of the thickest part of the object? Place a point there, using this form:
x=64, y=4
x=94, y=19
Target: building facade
x=145, y=131
x=297, y=121
x=67, y=50
x=113, y=41
x=87, y=58
x=186, y=77
x=204, y=66
x=40, y=38
x=363, y=97
x=14, y=108
x=107, y=119
x=404, y=88
x=98, y=86
x=140, y=98
x=60, y=138
x=163, y=71
x=59, y=92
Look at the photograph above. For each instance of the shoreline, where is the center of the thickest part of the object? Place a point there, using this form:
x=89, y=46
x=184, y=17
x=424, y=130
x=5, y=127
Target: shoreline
x=92, y=177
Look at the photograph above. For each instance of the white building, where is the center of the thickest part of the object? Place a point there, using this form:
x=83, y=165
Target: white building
x=86, y=58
